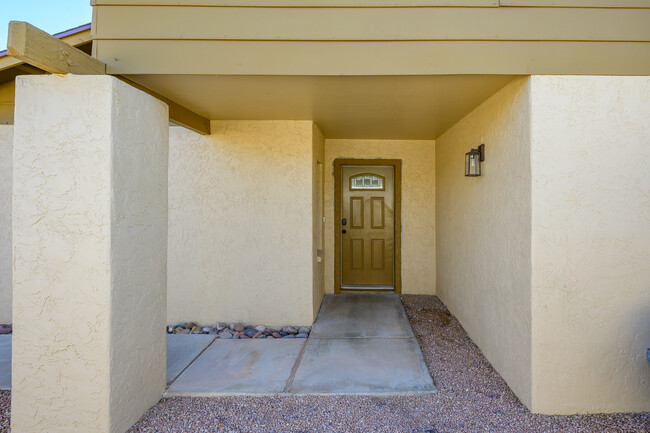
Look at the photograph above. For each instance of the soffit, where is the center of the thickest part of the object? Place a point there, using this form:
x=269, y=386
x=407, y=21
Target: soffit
x=379, y=107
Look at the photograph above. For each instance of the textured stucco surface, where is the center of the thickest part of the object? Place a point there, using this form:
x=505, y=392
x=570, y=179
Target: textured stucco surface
x=483, y=228
x=139, y=161
x=89, y=245
x=418, y=206
x=240, y=223
x=318, y=173
x=591, y=243
x=6, y=180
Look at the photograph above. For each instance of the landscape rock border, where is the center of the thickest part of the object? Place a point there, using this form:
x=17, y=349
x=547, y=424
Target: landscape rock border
x=237, y=330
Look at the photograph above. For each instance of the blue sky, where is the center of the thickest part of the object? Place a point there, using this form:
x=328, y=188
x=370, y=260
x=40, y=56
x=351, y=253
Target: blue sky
x=52, y=16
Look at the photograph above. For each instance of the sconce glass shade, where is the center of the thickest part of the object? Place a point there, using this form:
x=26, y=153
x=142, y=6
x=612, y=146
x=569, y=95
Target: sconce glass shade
x=473, y=163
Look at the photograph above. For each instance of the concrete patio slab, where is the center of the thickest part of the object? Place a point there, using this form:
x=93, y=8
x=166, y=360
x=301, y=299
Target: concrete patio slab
x=5, y=362
x=231, y=367
x=362, y=366
x=360, y=344
x=182, y=350
x=362, y=316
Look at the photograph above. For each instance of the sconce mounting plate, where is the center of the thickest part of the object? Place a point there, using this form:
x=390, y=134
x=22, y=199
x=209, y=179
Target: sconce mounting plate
x=481, y=152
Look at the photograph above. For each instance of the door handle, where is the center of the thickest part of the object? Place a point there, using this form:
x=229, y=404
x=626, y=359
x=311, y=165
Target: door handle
x=344, y=231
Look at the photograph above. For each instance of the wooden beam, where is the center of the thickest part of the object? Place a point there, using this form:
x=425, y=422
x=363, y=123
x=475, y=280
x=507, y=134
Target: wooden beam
x=34, y=46
x=37, y=48
x=29, y=69
x=177, y=113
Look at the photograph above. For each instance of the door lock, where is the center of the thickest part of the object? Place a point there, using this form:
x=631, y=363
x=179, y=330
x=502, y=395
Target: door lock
x=344, y=221
x=344, y=231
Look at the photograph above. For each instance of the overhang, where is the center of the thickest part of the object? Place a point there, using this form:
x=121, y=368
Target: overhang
x=373, y=37
x=361, y=68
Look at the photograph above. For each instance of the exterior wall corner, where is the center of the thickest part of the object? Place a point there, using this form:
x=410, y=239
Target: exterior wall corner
x=483, y=227
x=590, y=243
x=90, y=170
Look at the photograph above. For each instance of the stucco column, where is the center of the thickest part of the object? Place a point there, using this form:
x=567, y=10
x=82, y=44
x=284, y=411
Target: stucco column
x=89, y=253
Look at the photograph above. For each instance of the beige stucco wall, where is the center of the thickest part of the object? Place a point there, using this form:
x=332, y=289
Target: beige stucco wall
x=544, y=258
x=418, y=206
x=6, y=181
x=591, y=244
x=483, y=228
x=240, y=223
x=318, y=173
x=89, y=251
x=139, y=209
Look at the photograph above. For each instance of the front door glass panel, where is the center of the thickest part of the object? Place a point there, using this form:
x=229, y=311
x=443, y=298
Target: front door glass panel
x=367, y=181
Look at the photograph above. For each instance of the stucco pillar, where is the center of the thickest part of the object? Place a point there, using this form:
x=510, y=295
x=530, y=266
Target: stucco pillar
x=89, y=252
x=6, y=170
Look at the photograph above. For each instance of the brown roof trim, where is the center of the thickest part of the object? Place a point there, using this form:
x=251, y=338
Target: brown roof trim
x=72, y=31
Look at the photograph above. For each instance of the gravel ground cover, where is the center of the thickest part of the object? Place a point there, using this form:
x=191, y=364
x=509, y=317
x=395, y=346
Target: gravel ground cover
x=472, y=397
x=5, y=410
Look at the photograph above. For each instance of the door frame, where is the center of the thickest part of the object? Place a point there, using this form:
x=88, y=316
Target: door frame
x=397, y=164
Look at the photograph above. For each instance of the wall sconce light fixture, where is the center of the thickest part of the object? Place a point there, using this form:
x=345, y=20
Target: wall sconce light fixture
x=473, y=160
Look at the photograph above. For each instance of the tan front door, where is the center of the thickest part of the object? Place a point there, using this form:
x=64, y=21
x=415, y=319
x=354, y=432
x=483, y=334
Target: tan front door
x=367, y=226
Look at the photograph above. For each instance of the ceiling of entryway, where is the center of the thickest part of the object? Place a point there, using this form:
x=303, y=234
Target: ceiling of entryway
x=379, y=107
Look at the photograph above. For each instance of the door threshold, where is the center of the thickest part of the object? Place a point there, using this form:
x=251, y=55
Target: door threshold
x=375, y=289
x=364, y=291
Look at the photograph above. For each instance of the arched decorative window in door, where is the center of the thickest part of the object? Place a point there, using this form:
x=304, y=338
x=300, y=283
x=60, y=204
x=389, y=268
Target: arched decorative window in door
x=367, y=181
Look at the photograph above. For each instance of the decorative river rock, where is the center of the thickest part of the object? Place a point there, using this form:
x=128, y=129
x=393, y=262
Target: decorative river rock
x=238, y=330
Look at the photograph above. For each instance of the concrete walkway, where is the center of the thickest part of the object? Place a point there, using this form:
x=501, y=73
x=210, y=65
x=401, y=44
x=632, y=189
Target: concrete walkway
x=5, y=362
x=360, y=344
x=182, y=350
